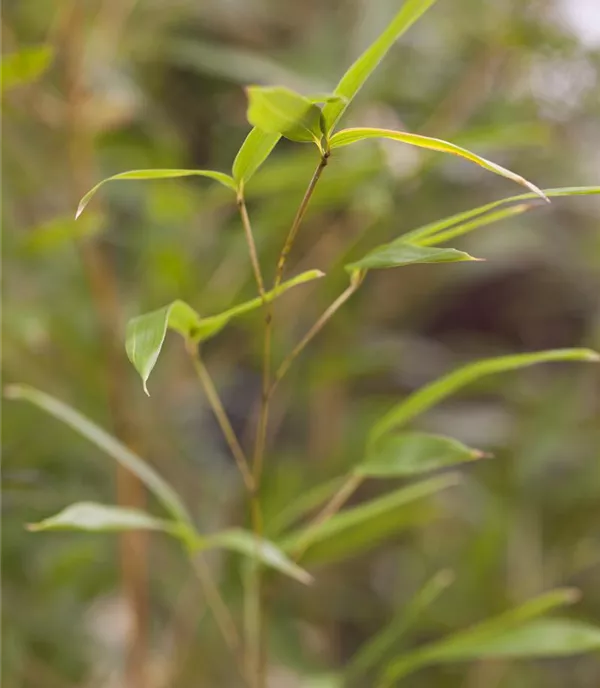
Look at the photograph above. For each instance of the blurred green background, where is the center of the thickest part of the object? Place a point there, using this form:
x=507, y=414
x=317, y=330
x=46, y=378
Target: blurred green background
x=159, y=83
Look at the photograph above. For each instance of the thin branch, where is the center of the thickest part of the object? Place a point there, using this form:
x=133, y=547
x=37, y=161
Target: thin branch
x=221, y=416
x=314, y=330
x=241, y=203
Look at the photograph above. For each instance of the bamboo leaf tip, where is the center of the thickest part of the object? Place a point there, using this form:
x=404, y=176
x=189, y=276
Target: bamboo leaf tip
x=592, y=356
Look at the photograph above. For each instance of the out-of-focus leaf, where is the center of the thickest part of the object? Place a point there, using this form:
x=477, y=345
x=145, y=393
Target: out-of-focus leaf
x=431, y=394
x=271, y=555
x=361, y=527
x=255, y=150
x=25, y=66
x=59, y=231
x=420, y=233
x=146, y=333
x=347, y=136
x=411, y=453
x=375, y=650
x=107, y=443
x=279, y=110
x=101, y=518
x=132, y=175
x=517, y=633
x=398, y=253
x=362, y=68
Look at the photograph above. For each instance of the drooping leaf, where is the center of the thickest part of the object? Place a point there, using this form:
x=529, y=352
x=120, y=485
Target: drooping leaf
x=356, y=529
x=517, y=633
x=431, y=394
x=101, y=518
x=411, y=453
x=362, y=68
x=146, y=333
x=255, y=150
x=107, y=443
x=279, y=110
x=399, y=253
x=347, y=136
x=434, y=228
x=25, y=66
x=374, y=651
x=220, y=177
x=270, y=554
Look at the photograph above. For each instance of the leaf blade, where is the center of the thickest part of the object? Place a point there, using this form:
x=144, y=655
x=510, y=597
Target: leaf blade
x=101, y=518
x=254, y=151
x=431, y=394
x=362, y=68
x=136, y=175
x=269, y=553
x=412, y=453
x=26, y=65
x=346, y=137
x=400, y=253
x=107, y=443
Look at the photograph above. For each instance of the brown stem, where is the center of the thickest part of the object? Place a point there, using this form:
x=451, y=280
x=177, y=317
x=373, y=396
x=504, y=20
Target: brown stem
x=103, y=286
x=221, y=416
x=251, y=245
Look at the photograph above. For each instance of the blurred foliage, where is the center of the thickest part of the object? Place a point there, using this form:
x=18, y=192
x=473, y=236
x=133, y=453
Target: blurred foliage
x=103, y=86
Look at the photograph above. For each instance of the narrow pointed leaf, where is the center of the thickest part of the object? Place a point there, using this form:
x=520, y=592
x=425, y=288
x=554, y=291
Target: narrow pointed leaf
x=208, y=327
x=279, y=110
x=221, y=177
x=375, y=650
x=254, y=151
x=146, y=333
x=347, y=136
x=399, y=253
x=434, y=228
x=24, y=66
x=362, y=68
x=411, y=453
x=101, y=518
x=107, y=443
x=271, y=555
x=359, y=528
x=516, y=633
x=431, y=394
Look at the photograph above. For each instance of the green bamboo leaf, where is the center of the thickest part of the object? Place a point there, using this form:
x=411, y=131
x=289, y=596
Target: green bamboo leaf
x=431, y=394
x=358, y=528
x=419, y=234
x=362, y=68
x=411, y=453
x=220, y=177
x=399, y=253
x=270, y=554
x=146, y=333
x=255, y=150
x=100, y=518
x=208, y=327
x=375, y=650
x=25, y=66
x=516, y=633
x=279, y=110
x=346, y=137
x=107, y=443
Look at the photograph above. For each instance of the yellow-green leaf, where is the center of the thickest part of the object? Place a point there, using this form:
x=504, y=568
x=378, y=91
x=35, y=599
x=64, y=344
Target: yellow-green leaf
x=399, y=253
x=346, y=137
x=255, y=150
x=25, y=66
